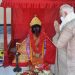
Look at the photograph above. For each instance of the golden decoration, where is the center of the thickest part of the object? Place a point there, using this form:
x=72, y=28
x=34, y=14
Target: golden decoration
x=35, y=20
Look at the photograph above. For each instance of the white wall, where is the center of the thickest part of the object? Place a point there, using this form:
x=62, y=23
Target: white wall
x=0, y=1
x=2, y=15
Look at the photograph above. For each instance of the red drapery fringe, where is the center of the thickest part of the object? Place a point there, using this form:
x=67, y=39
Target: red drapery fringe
x=35, y=3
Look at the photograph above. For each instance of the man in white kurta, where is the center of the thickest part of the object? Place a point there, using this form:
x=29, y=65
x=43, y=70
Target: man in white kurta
x=66, y=41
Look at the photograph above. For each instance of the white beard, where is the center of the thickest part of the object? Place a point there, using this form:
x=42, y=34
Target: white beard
x=67, y=19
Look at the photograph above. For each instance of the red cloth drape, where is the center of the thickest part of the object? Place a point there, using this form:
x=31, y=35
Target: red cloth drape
x=34, y=3
x=22, y=18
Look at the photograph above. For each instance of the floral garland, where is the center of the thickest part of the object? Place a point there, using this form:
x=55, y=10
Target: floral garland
x=40, y=43
x=38, y=51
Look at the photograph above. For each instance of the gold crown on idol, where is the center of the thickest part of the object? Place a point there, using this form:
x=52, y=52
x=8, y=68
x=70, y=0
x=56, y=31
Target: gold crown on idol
x=35, y=21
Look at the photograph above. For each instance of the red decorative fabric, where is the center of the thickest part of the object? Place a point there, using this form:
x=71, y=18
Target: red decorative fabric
x=50, y=52
x=21, y=64
x=23, y=17
x=34, y=3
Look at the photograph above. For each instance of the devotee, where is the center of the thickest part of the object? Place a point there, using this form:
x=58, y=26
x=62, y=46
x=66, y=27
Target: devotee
x=65, y=41
x=37, y=51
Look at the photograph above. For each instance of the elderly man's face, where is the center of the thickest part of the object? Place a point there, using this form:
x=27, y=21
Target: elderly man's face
x=62, y=13
x=36, y=29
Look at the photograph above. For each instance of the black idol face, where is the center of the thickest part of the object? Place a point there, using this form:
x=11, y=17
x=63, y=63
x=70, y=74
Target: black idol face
x=36, y=29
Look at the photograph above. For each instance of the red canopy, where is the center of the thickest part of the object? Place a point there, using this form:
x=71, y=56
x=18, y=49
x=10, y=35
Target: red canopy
x=35, y=3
